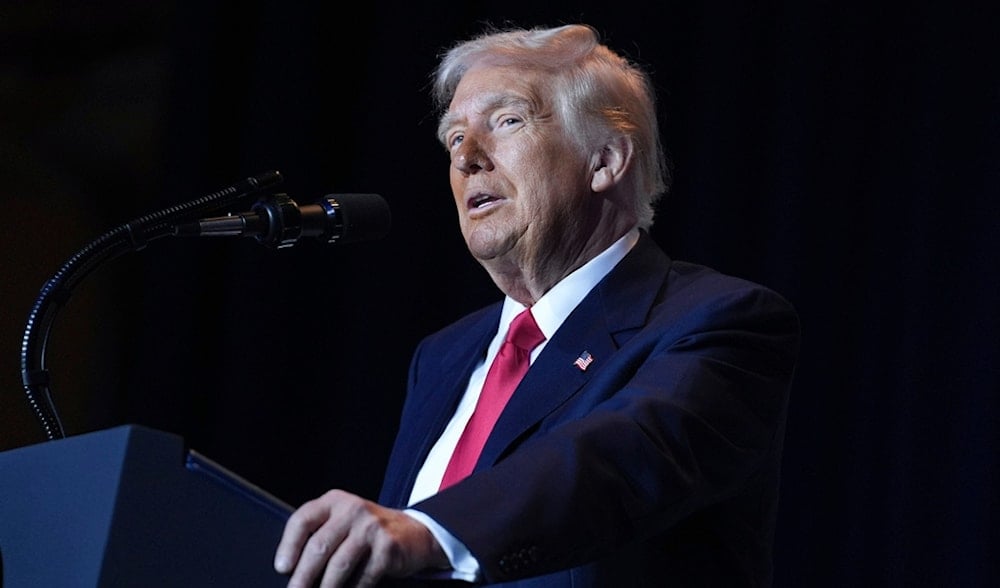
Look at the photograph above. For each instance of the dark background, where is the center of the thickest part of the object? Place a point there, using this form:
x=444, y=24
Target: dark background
x=844, y=154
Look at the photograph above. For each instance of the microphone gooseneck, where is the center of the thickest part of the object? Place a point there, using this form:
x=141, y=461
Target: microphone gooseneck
x=275, y=221
x=131, y=236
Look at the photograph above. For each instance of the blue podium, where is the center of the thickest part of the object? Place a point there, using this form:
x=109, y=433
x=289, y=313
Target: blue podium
x=132, y=506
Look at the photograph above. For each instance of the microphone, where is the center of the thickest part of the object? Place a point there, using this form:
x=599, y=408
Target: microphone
x=277, y=221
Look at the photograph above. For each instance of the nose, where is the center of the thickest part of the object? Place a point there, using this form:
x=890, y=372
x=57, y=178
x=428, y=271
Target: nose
x=470, y=157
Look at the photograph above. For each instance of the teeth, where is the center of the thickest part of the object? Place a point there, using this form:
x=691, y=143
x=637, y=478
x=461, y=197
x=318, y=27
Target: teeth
x=481, y=200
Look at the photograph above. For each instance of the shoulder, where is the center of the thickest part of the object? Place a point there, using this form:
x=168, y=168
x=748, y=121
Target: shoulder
x=710, y=312
x=667, y=303
x=701, y=303
x=698, y=285
x=650, y=287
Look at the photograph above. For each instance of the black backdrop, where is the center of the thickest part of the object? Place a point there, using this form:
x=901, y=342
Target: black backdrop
x=844, y=154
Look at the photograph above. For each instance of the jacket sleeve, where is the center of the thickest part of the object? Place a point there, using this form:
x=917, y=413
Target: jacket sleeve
x=687, y=414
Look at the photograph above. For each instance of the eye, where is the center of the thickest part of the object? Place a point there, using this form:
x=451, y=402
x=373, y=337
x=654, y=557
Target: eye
x=455, y=140
x=508, y=121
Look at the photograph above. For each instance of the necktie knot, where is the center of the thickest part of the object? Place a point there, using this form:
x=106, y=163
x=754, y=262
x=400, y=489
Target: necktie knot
x=524, y=332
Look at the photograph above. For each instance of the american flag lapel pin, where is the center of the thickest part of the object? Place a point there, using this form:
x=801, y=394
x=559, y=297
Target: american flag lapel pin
x=584, y=361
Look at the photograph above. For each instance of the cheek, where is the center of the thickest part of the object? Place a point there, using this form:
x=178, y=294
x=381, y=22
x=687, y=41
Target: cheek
x=457, y=186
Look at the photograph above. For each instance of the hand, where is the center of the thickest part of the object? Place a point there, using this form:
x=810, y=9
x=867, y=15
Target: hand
x=348, y=541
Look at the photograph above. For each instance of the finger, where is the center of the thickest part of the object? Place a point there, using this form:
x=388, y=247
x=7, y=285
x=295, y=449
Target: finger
x=346, y=564
x=316, y=555
x=370, y=551
x=299, y=527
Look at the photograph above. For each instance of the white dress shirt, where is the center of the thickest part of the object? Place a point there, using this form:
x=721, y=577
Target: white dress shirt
x=549, y=312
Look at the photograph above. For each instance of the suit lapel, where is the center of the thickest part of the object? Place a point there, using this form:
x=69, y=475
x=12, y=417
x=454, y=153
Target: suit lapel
x=448, y=386
x=456, y=367
x=434, y=401
x=603, y=321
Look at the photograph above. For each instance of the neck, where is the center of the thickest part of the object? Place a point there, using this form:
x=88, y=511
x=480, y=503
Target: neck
x=527, y=280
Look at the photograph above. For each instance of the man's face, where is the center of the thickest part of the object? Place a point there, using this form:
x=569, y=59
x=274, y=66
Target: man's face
x=521, y=184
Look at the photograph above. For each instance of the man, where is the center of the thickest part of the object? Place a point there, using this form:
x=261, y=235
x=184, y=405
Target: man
x=642, y=446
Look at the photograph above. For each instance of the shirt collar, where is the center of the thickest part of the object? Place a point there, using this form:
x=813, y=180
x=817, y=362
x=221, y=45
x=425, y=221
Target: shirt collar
x=555, y=305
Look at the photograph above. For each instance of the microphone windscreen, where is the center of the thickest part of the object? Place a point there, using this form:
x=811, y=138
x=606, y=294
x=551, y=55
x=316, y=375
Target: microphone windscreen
x=365, y=217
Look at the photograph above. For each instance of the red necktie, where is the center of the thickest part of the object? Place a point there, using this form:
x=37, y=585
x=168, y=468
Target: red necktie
x=508, y=368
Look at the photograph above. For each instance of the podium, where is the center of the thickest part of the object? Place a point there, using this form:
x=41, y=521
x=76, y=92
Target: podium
x=132, y=506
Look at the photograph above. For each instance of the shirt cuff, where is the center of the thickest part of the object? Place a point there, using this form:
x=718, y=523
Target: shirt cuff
x=463, y=565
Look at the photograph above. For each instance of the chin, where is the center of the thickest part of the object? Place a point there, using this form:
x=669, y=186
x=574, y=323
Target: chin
x=483, y=244
x=483, y=255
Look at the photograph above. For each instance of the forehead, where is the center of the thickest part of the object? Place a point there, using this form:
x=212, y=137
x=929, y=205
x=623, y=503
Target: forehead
x=483, y=89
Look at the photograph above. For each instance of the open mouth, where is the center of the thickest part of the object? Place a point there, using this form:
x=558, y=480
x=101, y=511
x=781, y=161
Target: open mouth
x=480, y=201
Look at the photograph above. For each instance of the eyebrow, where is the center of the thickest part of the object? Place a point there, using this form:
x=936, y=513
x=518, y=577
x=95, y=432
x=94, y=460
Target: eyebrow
x=497, y=101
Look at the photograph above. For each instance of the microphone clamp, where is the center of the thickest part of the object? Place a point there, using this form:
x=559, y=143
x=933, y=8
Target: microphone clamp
x=277, y=221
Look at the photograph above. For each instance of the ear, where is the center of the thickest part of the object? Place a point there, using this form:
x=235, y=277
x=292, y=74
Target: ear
x=611, y=163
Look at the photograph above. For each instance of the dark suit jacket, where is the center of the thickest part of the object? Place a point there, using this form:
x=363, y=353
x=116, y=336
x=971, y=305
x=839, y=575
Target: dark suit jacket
x=656, y=466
